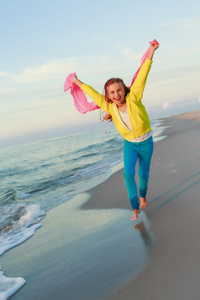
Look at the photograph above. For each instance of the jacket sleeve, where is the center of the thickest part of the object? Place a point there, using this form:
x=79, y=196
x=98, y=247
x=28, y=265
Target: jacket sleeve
x=96, y=97
x=138, y=86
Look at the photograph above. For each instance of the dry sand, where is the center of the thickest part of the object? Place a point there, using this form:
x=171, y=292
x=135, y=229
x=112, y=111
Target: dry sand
x=116, y=256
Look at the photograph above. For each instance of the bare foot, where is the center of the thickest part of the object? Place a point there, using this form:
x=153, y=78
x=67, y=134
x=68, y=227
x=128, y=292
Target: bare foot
x=135, y=214
x=143, y=202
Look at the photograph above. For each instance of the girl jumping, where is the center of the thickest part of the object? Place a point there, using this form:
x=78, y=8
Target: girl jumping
x=125, y=107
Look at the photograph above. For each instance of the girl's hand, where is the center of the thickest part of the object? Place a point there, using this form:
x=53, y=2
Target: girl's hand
x=77, y=81
x=74, y=77
x=154, y=45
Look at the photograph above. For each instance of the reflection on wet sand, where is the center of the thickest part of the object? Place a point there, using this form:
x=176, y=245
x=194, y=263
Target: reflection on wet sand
x=146, y=234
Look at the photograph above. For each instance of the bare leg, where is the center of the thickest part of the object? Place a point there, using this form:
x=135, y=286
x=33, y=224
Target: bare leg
x=143, y=202
x=135, y=214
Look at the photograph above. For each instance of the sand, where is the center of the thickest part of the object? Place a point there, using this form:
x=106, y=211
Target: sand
x=90, y=249
x=174, y=198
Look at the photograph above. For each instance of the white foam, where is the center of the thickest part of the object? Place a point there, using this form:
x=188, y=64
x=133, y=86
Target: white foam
x=8, y=286
x=33, y=214
x=22, y=229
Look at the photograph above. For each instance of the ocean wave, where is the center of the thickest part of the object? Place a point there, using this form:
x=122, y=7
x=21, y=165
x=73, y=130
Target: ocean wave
x=10, y=196
x=17, y=223
x=94, y=148
x=7, y=196
x=75, y=171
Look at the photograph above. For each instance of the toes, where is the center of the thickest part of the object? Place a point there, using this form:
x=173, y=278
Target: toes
x=134, y=218
x=143, y=205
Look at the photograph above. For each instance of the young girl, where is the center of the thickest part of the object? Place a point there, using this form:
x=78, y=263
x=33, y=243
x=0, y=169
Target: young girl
x=132, y=122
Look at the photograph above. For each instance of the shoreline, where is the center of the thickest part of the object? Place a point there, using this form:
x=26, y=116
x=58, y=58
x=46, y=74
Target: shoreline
x=46, y=259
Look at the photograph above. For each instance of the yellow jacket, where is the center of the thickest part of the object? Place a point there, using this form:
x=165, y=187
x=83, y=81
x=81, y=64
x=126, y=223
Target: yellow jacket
x=138, y=116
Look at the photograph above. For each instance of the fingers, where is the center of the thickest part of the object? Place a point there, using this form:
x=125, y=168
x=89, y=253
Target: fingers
x=154, y=44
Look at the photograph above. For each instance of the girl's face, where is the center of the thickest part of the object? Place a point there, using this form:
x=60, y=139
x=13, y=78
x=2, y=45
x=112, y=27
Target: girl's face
x=116, y=93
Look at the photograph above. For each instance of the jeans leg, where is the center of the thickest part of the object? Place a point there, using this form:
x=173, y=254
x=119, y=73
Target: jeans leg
x=145, y=155
x=130, y=159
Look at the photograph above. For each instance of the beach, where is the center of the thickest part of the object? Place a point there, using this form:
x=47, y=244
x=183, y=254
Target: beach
x=89, y=248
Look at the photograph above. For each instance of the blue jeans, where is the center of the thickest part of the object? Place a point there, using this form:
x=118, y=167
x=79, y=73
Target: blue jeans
x=132, y=152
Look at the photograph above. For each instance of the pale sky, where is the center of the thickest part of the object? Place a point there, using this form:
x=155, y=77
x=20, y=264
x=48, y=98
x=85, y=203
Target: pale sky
x=43, y=41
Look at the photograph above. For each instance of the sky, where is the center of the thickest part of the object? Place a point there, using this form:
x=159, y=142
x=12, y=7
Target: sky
x=43, y=41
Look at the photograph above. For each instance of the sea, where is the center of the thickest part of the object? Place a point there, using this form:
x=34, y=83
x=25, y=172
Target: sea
x=37, y=177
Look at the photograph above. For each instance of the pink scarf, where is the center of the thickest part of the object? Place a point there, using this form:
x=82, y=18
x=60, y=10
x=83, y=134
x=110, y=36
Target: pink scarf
x=80, y=99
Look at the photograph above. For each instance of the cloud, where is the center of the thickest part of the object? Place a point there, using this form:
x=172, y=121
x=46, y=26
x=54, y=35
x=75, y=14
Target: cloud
x=89, y=65
x=48, y=71
x=184, y=23
x=3, y=74
x=166, y=105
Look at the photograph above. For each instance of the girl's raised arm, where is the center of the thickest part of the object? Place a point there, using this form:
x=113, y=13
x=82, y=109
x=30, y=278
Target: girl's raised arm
x=152, y=49
x=138, y=86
